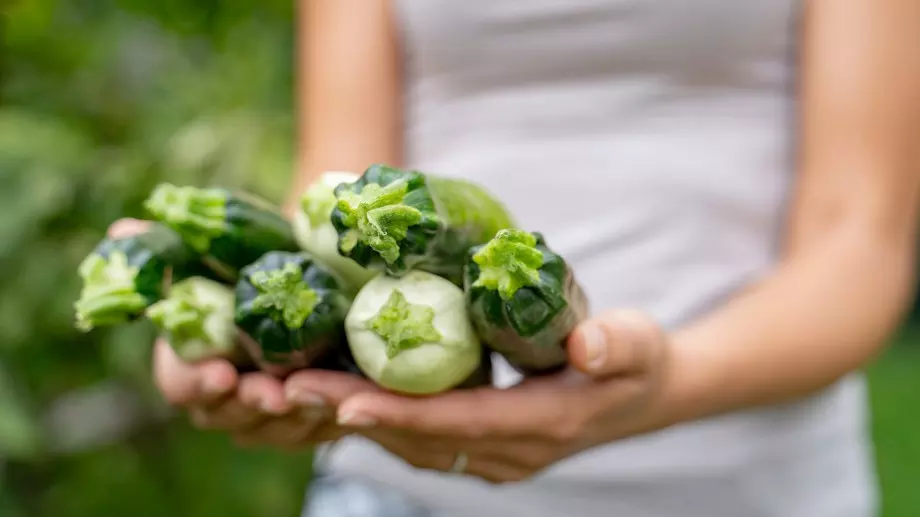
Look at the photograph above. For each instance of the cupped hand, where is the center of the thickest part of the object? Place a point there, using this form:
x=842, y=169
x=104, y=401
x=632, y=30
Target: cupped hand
x=319, y=393
x=614, y=387
x=250, y=406
x=254, y=407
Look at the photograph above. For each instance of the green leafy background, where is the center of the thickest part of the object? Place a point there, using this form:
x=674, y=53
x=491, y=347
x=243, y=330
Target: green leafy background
x=99, y=101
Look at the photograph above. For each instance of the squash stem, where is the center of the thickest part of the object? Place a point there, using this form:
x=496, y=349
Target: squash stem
x=179, y=317
x=284, y=295
x=378, y=217
x=109, y=295
x=198, y=214
x=509, y=262
x=197, y=317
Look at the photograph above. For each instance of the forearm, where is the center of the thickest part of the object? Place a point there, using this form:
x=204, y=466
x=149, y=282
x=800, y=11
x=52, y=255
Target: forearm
x=349, y=90
x=822, y=314
x=847, y=273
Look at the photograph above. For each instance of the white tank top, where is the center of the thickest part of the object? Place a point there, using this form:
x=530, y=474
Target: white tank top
x=650, y=141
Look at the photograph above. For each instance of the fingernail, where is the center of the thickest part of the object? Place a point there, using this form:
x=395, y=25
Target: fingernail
x=353, y=419
x=595, y=345
x=267, y=407
x=214, y=386
x=305, y=398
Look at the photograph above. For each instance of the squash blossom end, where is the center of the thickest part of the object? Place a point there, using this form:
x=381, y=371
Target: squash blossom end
x=198, y=214
x=404, y=325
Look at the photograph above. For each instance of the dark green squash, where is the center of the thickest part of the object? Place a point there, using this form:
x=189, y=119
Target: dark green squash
x=292, y=309
x=229, y=230
x=123, y=276
x=397, y=220
x=523, y=300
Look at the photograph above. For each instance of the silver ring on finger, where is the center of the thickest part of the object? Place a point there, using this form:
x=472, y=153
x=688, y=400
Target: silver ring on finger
x=460, y=463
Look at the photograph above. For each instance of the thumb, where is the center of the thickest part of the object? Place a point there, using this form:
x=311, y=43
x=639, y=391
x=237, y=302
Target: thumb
x=185, y=384
x=127, y=227
x=618, y=342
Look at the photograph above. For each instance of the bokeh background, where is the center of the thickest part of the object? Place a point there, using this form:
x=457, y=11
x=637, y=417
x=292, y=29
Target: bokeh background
x=99, y=101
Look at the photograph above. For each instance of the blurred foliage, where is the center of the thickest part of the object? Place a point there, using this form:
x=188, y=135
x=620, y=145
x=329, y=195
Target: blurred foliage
x=99, y=101
x=894, y=386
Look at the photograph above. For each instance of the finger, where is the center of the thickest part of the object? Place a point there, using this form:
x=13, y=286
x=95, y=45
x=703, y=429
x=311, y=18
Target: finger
x=471, y=414
x=523, y=455
x=445, y=459
x=324, y=388
x=184, y=384
x=416, y=452
x=496, y=472
x=127, y=227
x=227, y=416
x=262, y=392
x=284, y=431
x=616, y=343
x=324, y=433
x=520, y=453
x=425, y=442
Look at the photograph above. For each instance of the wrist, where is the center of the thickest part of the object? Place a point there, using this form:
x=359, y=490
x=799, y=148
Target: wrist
x=686, y=386
x=692, y=389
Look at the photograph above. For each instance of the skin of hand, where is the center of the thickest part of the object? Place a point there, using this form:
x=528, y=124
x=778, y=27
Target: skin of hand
x=618, y=384
x=251, y=406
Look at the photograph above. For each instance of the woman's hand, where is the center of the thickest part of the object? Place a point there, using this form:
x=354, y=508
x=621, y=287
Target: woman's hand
x=252, y=407
x=615, y=387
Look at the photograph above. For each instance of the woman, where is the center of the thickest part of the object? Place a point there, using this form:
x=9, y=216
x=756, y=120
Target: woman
x=735, y=183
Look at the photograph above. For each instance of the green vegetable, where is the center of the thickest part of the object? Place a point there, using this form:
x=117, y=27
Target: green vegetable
x=122, y=277
x=397, y=220
x=523, y=300
x=411, y=334
x=340, y=360
x=482, y=376
x=315, y=233
x=196, y=317
x=229, y=230
x=292, y=310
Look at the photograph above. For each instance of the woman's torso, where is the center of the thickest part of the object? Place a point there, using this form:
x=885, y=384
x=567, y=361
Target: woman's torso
x=650, y=141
